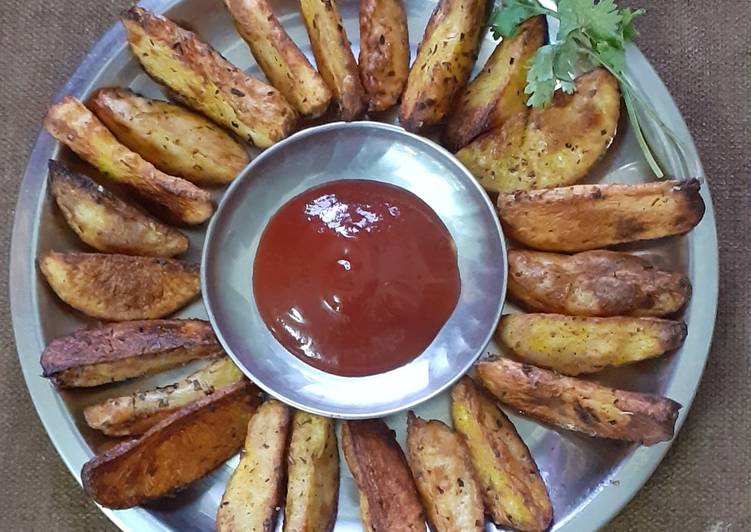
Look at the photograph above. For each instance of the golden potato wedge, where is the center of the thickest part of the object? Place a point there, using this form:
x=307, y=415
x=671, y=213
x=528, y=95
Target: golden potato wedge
x=444, y=476
x=254, y=492
x=584, y=217
x=175, y=140
x=312, y=475
x=579, y=405
x=180, y=449
x=206, y=82
x=388, y=496
x=121, y=351
x=444, y=61
x=74, y=125
x=120, y=287
x=497, y=93
x=285, y=66
x=594, y=283
x=334, y=57
x=514, y=493
x=136, y=413
x=384, y=51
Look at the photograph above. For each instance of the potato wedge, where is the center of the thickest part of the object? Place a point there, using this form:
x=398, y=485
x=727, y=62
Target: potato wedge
x=444, y=61
x=514, y=493
x=120, y=287
x=594, y=283
x=121, y=351
x=388, y=496
x=285, y=66
x=579, y=405
x=254, y=492
x=177, y=141
x=74, y=125
x=384, y=52
x=312, y=475
x=206, y=82
x=334, y=57
x=444, y=476
x=584, y=217
x=497, y=93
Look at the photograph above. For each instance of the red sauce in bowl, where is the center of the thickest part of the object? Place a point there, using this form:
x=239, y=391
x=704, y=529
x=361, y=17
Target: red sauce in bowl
x=356, y=277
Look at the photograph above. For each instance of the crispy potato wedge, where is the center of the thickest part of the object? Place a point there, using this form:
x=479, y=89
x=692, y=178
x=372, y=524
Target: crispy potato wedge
x=497, y=93
x=136, y=413
x=594, y=283
x=388, y=496
x=175, y=140
x=285, y=66
x=444, y=61
x=254, y=492
x=206, y=82
x=74, y=125
x=121, y=351
x=579, y=405
x=444, y=476
x=514, y=493
x=584, y=217
x=312, y=475
x=384, y=51
x=120, y=287
x=334, y=57
x=180, y=449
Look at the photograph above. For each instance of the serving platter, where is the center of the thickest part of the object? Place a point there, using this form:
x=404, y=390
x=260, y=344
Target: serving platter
x=589, y=480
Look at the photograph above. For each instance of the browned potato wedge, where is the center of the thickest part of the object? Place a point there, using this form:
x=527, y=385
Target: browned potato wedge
x=122, y=351
x=444, y=61
x=74, y=125
x=579, y=405
x=444, y=476
x=514, y=493
x=334, y=57
x=388, y=496
x=580, y=344
x=497, y=93
x=120, y=287
x=175, y=140
x=285, y=66
x=255, y=490
x=312, y=475
x=384, y=51
x=594, y=283
x=584, y=217
x=207, y=82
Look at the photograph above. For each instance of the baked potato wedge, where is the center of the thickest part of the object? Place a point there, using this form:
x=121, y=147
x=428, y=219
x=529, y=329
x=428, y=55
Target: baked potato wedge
x=497, y=93
x=444, y=61
x=573, y=345
x=74, y=125
x=254, y=492
x=205, y=81
x=388, y=496
x=334, y=57
x=284, y=65
x=440, y=463
x=312, y=475
x=384, y=52
x=120, y=287
x=136, y=413
x=579, y=405
x=584, y=217
x=175, y=140
x=121, y=351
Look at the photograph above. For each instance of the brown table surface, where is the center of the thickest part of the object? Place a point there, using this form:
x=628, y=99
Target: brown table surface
x=701, y=49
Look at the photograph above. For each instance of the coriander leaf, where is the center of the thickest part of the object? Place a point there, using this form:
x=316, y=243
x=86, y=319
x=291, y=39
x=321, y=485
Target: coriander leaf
x=611, y=56
x=540, y=77
x=505, y=21
x=565, y=64
x=599, y=20
x=628, y=31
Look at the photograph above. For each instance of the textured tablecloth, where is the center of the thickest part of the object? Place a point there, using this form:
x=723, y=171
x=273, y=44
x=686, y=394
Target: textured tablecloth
x=701, y=49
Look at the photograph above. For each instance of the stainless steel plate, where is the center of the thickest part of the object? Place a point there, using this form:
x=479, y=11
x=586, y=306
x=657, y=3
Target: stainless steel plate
x=589, y=480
